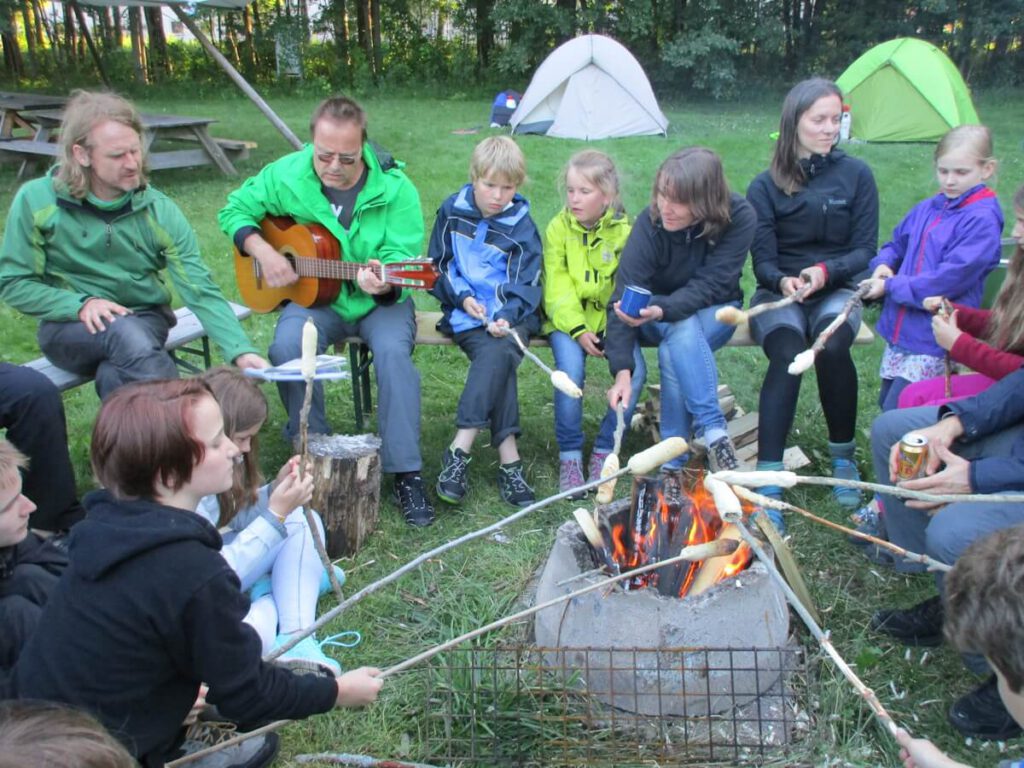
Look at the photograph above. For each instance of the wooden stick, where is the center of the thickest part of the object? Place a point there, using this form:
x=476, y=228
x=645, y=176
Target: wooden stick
x=309, y=350
x=946, y=310
x=717, y=548
x=906, y=554
x=822, y=637
x=721, y=548
x=738, y=316
x=412, y=564
x=560, y=379
x=360, y=761
x=805, y=359
x=788, y=479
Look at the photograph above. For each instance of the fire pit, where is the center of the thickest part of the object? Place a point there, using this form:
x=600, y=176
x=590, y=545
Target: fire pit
x=726, y=604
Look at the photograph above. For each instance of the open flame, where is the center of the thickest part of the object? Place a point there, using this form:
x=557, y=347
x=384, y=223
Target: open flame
x=658, y=529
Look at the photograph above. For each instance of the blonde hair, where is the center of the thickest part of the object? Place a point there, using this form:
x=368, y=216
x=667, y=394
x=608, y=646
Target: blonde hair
x=598, y=169
x=85, y=111
x=11, y=460
x=694, y=177
x=1005, y=329
x=977, y=139
x=500, y=156
x=243, y=407
x=41, y=733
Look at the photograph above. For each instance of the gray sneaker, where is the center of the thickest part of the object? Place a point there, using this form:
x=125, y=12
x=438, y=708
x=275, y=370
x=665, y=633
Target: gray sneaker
x=257, y=752
x=722, y=455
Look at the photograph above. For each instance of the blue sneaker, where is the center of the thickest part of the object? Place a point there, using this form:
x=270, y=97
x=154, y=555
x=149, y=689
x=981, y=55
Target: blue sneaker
x=325, y=582
x=306, y=658
x=775, y=515
x=846, y=470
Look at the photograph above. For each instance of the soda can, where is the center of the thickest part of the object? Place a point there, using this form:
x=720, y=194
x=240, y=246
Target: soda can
x=912, y=456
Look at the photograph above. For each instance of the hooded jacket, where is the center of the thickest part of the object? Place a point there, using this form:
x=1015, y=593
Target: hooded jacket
x=832, y=221
x=997, y=408
x=579, y=270
x=942, y=247
x=496, y=260
x=147, y=610
x=685, y=271
x=59, y=251
x=387, y=223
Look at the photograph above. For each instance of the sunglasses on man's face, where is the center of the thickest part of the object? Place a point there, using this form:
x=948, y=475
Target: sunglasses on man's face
x=328, y=158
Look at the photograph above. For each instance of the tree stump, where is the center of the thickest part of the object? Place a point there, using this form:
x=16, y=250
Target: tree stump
x=346, y=488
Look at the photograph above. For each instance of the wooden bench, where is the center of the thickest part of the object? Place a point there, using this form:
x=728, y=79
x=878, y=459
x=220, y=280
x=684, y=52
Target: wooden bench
x=360, y=358
x=187, y=330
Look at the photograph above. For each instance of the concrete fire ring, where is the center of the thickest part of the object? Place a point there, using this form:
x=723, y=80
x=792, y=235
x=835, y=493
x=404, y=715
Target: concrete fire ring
x=655, y=655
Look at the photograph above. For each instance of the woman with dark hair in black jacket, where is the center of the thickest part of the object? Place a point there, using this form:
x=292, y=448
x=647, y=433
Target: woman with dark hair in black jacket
x=817, y=229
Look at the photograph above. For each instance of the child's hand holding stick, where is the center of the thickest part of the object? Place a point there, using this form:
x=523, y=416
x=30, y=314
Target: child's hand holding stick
x=309, y=350
x=560, y=379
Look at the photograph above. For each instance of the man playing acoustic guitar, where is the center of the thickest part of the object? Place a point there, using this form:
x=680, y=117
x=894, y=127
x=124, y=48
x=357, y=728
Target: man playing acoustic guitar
x=363, y=199
x=89, y=248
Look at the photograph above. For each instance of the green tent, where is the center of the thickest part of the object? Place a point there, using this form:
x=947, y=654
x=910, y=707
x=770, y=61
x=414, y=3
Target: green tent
x=905, y=90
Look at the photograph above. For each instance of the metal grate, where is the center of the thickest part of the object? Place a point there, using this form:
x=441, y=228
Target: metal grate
x=524, y=706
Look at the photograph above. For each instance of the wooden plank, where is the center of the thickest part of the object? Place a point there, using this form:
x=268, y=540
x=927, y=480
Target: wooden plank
x=743, y=430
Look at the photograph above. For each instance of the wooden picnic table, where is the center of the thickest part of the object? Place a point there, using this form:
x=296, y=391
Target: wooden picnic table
x=193, y=131
x=13, y=105
x=159, y=128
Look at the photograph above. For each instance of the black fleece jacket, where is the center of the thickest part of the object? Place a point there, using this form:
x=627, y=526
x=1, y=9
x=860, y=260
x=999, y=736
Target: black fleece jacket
x=684, y=270
x=146, y=611
x=832, y=220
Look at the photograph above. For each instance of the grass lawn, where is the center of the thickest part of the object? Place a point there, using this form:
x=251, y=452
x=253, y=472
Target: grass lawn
x=481, y=581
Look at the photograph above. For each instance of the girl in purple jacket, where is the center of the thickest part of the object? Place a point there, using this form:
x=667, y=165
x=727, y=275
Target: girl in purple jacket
x=945, y=246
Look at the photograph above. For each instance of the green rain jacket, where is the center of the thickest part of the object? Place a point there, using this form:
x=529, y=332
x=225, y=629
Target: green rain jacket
x=387, y=223
x=579, y=271
x=57, y=253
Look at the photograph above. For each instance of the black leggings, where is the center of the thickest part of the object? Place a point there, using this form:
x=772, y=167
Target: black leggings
x=837, y=388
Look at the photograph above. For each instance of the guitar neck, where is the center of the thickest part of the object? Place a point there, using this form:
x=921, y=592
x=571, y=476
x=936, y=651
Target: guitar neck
x=329, y=269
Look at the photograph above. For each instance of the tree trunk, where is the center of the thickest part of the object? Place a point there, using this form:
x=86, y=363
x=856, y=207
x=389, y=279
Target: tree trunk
x=257, y=29
x=70, y=36
x=363, y=30
x=341, y=33
x=378, y=51
x=346, y=483
x=251, y=58
x=484, y=33
x=118, y=29
x=138, y=45
x=161, y=65
x=30, y=39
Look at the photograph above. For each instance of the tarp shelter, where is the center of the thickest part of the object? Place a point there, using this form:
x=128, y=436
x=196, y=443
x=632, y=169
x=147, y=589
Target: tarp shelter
x=905, y=90
x=589, y=88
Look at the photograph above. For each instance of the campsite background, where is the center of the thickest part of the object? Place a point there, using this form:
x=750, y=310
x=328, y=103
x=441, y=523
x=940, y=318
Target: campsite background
x=422, y=86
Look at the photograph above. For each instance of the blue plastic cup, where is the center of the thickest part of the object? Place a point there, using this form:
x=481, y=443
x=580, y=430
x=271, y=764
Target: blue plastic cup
x=634, y=298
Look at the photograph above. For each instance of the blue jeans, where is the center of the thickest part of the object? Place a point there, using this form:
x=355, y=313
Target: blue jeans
x=389, y=330
x=689, y=375
x=570, y=357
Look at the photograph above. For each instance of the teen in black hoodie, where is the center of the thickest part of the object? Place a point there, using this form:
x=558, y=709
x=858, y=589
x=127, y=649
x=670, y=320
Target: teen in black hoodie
x=817, y=225
x=148, y=609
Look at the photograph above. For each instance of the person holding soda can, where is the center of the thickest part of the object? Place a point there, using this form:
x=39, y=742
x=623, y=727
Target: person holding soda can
x=975, y=445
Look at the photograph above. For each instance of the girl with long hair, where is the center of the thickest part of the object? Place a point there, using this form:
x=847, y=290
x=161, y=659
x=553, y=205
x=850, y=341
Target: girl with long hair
x=582, y=246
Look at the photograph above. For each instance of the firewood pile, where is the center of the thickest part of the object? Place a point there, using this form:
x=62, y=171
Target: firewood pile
x=742, y=429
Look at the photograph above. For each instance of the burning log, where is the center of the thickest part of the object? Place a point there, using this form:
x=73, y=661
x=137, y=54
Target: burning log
x=712, y=572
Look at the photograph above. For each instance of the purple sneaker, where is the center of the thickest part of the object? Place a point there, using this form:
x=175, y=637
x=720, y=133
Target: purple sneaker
x=596, y=463
x=570, y=475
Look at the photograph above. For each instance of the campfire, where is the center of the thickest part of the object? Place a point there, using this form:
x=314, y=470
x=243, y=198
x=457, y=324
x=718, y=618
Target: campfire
x=657, y=524
x=685, y=639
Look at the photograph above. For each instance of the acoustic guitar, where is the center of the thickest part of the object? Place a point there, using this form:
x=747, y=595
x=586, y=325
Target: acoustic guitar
x=315, y=255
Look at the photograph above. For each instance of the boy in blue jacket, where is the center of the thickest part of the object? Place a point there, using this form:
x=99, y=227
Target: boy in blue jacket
x=488, y=253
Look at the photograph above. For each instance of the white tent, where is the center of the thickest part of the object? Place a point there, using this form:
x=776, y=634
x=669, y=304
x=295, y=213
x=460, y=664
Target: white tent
x=589, y=88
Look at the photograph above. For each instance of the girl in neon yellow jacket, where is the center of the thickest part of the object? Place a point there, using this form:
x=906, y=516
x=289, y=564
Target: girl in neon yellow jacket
x=582, y=245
